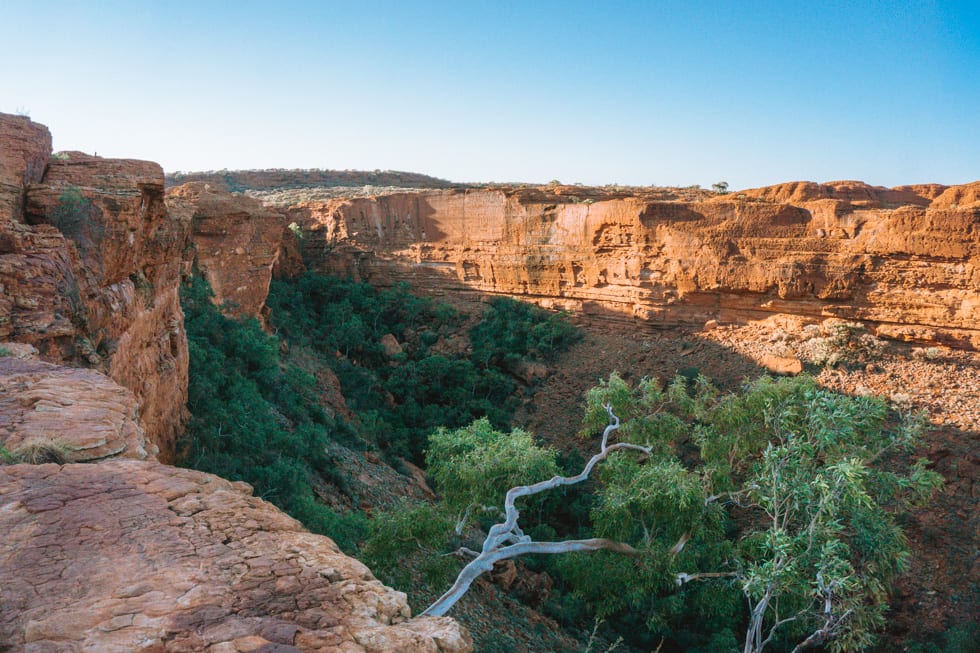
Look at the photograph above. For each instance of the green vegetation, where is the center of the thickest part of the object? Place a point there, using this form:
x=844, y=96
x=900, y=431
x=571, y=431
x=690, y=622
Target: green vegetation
x=72, y=213
x=790, y=490
x=403, y=397
x=511, y=332
x=767, y=517
x=764, y=519
x=255, y=419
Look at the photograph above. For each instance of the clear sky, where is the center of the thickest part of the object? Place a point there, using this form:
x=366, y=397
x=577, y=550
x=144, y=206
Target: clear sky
x=668, y=93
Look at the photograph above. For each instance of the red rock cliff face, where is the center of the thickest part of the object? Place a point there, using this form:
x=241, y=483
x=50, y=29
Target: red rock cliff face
x=115, y=551
x=90, y=270
x=237, y=241
x=815, y=251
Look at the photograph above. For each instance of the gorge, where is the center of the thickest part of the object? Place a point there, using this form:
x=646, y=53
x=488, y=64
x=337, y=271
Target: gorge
x=115, y=549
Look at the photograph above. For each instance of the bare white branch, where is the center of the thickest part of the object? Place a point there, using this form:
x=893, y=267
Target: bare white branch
x=506, y=540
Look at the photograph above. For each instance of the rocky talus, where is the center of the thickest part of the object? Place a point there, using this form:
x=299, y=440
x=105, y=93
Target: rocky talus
x=906, y=260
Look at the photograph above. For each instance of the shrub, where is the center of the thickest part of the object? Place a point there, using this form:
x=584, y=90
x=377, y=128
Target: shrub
x=255, y=419
x=841, y=343
x=37, y=451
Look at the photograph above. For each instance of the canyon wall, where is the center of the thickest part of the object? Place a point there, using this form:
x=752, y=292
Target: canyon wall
x=105, y=547
x=90, y=269
x=91, y=259
x=905, y=260
x=236, y=243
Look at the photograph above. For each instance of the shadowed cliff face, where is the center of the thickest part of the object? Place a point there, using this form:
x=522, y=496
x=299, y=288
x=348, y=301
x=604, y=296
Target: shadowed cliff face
x=236, y=242
x=804, y=249
x=90, y=269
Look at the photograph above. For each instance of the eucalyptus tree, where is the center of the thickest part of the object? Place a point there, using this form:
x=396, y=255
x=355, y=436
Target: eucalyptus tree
x=783, y=497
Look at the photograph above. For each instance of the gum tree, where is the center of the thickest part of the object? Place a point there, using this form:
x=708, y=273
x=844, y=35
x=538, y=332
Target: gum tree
x=785, y=495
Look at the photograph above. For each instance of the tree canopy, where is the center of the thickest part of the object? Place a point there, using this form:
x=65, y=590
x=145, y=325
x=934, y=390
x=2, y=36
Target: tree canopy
x=767, y=517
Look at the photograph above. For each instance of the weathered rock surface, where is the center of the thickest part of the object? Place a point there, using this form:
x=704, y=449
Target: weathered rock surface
x=127, y=554
x=130, y=555
x=236, y=243
x=812, y=250
x=24, y=150
x=119, y=303
x=90, y=269
x=90, y=415
x=35, y=262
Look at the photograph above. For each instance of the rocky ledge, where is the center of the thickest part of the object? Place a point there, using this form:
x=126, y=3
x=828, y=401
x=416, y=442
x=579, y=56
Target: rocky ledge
x=129, y=554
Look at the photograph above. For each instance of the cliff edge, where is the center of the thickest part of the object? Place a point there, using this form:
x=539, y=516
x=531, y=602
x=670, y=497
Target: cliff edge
x=105, y=547
x=904, y=260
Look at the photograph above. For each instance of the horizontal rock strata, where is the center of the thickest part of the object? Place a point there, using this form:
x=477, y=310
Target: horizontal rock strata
x=906, y=260
x=90, y=264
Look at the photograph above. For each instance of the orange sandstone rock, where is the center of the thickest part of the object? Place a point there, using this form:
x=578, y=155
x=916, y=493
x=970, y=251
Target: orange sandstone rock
x=24, y=150
x=114, y=287
x=815, y=251
x=89, y=269
x=89, y=415
x=236, y=243
x=130, y=555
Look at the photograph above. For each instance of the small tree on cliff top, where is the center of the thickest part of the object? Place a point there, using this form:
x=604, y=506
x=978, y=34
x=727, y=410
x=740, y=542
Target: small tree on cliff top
x=785, y=495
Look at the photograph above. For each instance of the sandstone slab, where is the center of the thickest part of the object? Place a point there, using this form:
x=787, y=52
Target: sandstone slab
x=129, y=555
x=87, y=414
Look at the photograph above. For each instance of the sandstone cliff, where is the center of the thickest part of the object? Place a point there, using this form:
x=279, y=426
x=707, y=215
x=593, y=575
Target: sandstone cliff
x=906, y=260
x=90, y=269
x=236, y=242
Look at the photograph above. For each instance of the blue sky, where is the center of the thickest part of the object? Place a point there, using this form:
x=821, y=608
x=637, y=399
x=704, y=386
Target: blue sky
x=670, y=93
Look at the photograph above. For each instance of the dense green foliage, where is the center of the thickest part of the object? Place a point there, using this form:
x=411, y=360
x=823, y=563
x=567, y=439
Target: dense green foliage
x=472, y=468
x=755, y=511
x=404, y=397
x=475, y=466
x=255, y=419
x=783, y=487
x=512, y=331
x=412, y=541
